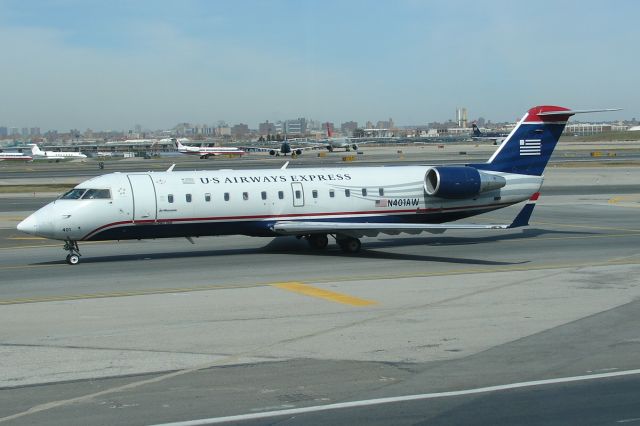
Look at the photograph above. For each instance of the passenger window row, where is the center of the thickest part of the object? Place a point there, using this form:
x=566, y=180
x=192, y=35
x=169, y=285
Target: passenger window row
x=263, y=195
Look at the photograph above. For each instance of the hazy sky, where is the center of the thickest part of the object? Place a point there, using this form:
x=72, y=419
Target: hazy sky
x=112, y=64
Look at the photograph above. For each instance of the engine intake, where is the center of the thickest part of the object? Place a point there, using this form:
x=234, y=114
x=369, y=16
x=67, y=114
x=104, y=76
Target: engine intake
x=460, y=182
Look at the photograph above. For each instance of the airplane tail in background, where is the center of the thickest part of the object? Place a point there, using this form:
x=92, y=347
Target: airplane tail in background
x=530, y=144
x=476, y=131
x=35, y=149
x=178, y=144
x=329, y=132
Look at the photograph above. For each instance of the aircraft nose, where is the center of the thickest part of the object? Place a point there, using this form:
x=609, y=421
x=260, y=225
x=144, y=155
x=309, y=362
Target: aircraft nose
x=29, y=225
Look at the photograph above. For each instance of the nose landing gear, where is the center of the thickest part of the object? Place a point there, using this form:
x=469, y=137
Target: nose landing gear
x=73, y=258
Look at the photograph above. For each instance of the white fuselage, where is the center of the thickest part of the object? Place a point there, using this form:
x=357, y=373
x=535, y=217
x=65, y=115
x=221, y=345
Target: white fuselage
x=171, y=204
x=57, y=156
x=207, y=151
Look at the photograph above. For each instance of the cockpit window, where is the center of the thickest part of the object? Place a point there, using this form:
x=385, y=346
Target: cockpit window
x=94, y=194
x=73, y=194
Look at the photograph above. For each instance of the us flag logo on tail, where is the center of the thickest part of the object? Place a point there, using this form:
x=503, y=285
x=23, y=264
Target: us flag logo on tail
x=530, y=146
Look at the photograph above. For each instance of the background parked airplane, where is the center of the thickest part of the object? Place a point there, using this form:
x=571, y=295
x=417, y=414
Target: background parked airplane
x=332, y=143
x=14, y=156
x=39, y=155
x=207, y=151
x=489, y=136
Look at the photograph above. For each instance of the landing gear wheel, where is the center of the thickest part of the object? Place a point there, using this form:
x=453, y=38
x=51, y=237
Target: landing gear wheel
x=73, y=258
x=350, y=245
x=318, y=241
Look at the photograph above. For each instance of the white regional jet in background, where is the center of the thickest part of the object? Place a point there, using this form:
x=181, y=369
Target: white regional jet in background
x=57, y=156
x=345, y=203
x=207, y=151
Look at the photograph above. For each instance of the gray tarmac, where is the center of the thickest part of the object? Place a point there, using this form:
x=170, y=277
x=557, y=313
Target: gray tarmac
x=158, y=331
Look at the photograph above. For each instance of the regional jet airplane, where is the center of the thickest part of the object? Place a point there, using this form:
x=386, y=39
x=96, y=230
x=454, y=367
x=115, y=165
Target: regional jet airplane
x=207, y=151
x=312, y=203
x=57, y=156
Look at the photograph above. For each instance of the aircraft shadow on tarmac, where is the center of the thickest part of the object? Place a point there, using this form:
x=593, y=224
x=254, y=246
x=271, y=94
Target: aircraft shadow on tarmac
x=295, y=246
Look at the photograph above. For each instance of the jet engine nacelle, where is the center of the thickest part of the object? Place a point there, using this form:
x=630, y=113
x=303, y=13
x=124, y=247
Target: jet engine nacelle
x=460, y=182
x=273, y=152
x=298, y=152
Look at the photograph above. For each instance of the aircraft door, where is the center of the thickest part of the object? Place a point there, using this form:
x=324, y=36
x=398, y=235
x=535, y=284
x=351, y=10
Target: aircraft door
x=144, y=197
x=298, y=194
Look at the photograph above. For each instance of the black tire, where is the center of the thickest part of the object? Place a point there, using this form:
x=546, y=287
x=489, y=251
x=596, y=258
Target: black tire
x=318, y=241
x=73, y=259
x=350, y=245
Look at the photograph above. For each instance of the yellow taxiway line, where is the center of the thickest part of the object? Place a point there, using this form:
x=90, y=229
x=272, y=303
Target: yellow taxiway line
x=331, y=296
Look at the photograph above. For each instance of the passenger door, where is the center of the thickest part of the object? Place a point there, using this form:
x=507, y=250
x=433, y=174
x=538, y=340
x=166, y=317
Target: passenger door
x=144, y=197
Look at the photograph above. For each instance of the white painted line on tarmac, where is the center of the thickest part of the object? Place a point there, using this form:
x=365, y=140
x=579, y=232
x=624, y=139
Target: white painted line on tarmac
x=379, y=401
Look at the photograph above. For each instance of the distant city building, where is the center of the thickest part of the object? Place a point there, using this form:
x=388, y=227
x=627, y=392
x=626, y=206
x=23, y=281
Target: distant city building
x=461, y=117
x=25, y=131
x=239, y=130
x=314, y=125
x=278, y=127
x=223, y=131
x=385, y=124
x=295, y=127
x=266, y=128
x=585, y=129
x=349, y=127
x=4, y=132
x=34, y=131
x=14, y=131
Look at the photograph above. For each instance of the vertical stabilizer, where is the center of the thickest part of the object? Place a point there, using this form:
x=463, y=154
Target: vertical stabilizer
x=530, y=144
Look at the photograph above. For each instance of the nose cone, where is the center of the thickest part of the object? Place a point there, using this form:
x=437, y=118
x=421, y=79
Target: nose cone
x=29, y=225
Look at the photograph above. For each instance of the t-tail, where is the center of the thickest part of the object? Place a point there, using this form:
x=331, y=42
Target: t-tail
x=178, y=144
x=530, y=144
x=35, y=149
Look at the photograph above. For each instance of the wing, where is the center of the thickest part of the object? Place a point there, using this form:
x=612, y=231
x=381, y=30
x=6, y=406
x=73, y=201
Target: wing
x=359, y=229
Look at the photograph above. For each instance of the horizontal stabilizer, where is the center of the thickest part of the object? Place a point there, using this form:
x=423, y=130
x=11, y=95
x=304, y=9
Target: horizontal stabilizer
x=522, y=219
x=577, y=111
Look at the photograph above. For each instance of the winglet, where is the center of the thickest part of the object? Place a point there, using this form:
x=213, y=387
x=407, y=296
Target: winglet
x=523, y=217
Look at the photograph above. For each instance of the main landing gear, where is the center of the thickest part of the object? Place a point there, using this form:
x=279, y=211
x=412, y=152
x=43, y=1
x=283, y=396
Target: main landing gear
x=347, y=244
x=318, y=241
x=73, y=258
